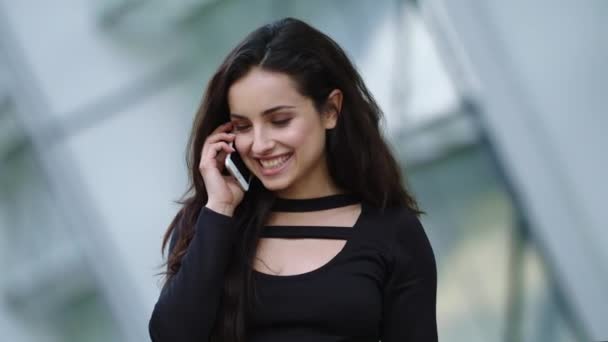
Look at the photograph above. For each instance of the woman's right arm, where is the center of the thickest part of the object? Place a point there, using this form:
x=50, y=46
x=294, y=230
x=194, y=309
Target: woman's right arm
x=188, y=304
x=187, y=307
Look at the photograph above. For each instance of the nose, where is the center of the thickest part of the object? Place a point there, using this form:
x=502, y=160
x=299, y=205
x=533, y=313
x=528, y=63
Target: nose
x=262, y=143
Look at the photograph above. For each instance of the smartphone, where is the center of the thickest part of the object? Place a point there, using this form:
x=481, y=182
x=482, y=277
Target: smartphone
x=236, y=167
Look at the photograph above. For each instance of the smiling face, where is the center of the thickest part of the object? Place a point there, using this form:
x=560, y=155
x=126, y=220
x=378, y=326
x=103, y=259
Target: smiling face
x=280, y=135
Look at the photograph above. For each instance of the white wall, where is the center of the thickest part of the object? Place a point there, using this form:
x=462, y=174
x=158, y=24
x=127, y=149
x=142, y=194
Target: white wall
x=117, y=178
x=539, y=70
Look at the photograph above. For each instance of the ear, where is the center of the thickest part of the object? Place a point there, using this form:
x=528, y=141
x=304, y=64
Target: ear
x=334, y=106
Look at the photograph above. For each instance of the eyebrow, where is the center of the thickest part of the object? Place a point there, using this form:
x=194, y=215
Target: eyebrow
x=266, y=112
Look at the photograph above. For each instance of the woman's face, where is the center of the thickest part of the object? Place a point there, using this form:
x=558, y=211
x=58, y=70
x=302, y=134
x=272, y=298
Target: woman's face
x=279, y=133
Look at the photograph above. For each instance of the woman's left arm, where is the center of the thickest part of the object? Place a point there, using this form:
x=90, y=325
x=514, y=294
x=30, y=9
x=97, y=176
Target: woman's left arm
x=409, y=313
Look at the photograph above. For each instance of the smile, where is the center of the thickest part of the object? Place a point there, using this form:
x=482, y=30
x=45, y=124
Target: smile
x=274, y=165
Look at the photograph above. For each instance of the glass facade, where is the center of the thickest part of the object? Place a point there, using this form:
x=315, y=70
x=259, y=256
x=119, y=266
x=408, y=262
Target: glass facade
x=47, y=287
x=497, y=279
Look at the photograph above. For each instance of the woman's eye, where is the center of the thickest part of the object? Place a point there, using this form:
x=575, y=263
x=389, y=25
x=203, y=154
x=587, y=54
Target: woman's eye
x=283, y=122
x=240, y=128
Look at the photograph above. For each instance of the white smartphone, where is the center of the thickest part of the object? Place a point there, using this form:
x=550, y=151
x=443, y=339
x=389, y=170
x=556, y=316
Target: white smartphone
x=238, y=169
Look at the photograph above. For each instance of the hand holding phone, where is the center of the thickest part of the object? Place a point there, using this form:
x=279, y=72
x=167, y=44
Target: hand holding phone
x=224, y=193
x=237, y=168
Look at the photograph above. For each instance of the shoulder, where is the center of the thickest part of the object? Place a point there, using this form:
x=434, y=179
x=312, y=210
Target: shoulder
x=408, y=239
x=405, y=225
x=396, y=221
x=390, y=225
x=403, y=243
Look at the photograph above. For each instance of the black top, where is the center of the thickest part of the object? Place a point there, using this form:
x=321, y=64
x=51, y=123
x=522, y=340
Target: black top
x=380, y=286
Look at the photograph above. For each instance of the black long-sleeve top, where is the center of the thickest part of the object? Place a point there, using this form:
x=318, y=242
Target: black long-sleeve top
x=380, y=286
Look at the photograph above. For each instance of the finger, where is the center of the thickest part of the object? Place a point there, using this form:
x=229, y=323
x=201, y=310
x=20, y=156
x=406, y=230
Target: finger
x=220, y=136
x=221, y=158
x=216, y=148
x=212, y=139
x=231, y=181
x=223, y=128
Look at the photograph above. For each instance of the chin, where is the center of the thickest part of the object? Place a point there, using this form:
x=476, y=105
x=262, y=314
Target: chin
x=275, y=184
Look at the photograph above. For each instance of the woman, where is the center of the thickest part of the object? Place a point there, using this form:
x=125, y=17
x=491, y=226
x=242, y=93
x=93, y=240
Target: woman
x=326, y=244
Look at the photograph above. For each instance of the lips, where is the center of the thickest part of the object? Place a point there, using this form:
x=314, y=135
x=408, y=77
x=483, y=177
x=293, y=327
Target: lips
x=274, y=162
x=274, y=165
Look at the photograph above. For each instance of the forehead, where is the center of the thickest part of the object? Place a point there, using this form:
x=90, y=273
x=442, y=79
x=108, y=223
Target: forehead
x=259, y=90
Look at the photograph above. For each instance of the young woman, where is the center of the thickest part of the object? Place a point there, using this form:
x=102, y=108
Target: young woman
x=326, y=244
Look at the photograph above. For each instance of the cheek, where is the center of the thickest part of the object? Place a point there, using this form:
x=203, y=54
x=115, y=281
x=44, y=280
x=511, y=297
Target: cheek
x=302, y=135
x=242, y=144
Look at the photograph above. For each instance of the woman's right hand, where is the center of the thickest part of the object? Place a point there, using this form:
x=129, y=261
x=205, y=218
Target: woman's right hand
x=223, y=192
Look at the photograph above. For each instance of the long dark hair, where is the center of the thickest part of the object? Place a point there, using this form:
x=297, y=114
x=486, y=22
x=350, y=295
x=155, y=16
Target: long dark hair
x=317, y=65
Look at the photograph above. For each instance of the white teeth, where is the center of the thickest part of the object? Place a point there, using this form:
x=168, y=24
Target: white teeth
x=274, y=163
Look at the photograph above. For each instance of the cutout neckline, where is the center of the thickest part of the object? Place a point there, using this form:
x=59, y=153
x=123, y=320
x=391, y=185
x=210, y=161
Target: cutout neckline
x=314, y=204
x=342, y=233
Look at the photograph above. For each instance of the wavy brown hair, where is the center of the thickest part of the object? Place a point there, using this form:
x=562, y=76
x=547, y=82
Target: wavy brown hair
x=317, y=65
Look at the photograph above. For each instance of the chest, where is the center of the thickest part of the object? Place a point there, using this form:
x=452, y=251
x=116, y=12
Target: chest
x=279, y=256
x=343, y=298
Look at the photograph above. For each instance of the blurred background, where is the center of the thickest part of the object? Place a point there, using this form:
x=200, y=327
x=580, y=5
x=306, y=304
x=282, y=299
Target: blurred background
x=496, y=109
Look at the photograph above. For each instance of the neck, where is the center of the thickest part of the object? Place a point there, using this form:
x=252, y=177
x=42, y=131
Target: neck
x=312, y=190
